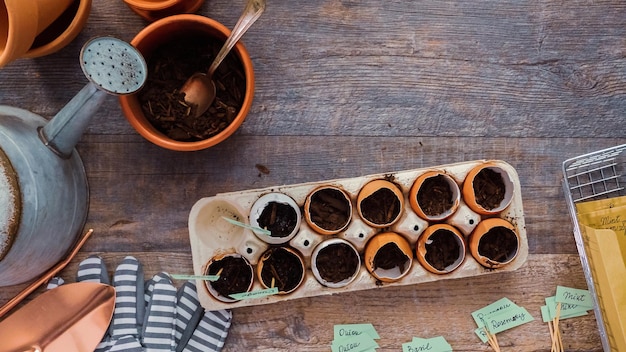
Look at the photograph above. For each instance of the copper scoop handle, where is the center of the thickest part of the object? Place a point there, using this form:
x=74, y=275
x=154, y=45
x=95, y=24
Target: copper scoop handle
x=45, y=277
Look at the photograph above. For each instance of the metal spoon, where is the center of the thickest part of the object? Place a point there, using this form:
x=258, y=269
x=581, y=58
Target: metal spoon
x=199, y=89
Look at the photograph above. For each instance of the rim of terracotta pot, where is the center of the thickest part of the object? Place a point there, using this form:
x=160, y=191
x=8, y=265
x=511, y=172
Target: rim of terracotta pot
x=482, y=229
x=421, y=250
x=154, y=10
x=257, y=209
x=369, y=189
x=417, y=186
x=307, y=212
x=212, y=291
x=152, y=4
x=68, y=35
x=376, y=243
x=292, y=251
x=469, y=195
x=315, y=268
x=165, y=30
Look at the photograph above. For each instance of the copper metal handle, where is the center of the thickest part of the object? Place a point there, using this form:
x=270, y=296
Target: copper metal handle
x=45, y=277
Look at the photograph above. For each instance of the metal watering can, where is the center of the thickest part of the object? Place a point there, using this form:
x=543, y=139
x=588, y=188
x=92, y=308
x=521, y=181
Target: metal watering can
x=44, y=194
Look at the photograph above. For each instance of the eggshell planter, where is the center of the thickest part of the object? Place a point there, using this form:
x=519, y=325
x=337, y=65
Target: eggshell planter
x=441, y=249
x=211, y=235
x=380, y=203
x=488, y=189
x=335, y=263
x=152, y=10
x=434, y=196
x=281, y=267
x=235, y=276
x=495, y=243
x=388, y=256
x=278, y=213
x=191, y=30
x=328, y=210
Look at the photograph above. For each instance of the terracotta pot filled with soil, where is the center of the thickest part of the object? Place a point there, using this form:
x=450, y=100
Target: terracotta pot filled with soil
x=335, y=263
x=434, y=196
x=32, y=28
x=380, y=203
x=176, y=47
x=494, y=243
x=441, y=249
x=235, y=276
x=328, y=210
x=281, y=267
x=277, y=213
x=488, y=189
x=388, y=256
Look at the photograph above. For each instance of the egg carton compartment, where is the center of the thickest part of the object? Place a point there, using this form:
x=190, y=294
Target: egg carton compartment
x=211, y=236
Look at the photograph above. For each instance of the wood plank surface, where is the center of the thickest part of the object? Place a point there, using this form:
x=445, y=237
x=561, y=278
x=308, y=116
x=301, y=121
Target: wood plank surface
x=346, y=88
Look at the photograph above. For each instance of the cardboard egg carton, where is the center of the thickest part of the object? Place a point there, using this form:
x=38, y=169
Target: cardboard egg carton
x=210, y=235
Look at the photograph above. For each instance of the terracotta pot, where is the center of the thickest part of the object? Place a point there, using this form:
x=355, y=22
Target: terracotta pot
x=424, y=192
x=230, y=267
x=291, y=261
x=328, y=203
x=348, y=256
x=371, y=196
x=165, y=31
x=378, y=246
x=285, y=217
x=430, y=253
x=152, y=10
x=488, y=189
x=494, y=243
x=34, y=28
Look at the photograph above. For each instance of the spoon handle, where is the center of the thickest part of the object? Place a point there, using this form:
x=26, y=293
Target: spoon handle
x=253, y=10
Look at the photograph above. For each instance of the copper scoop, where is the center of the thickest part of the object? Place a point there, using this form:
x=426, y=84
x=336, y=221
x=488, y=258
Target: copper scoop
x=72, y=317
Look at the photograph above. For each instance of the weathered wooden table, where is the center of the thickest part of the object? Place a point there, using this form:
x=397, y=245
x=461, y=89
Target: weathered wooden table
x=346, y=88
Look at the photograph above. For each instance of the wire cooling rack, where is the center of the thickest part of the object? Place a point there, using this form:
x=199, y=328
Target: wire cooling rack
x=597, y=175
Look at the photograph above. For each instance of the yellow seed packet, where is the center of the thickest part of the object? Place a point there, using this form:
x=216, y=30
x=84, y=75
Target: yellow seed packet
x=603, y=226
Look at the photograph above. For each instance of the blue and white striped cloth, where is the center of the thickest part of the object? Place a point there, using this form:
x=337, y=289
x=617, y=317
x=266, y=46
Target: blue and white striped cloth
x=154, y=316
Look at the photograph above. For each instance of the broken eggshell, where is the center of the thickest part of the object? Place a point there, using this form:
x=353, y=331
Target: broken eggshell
x=487, y=240
x=343, y=262
x=215, y=266
x=330, y=203
x=432, y=239
x=488, y=189
x=426, y=183
x=370, y=200
x=278, y=213
x=292, y=261
x=384, y=242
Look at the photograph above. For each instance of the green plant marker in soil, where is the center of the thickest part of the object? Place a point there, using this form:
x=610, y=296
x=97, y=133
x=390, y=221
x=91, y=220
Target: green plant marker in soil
x=168, y=69
x=279, y=218
x=435, y=196
x=489, y=188
x=381, y=207
x=337, y=262
x=329, y=209
x=282, y=267
x=390, y=256
x=235, y=275
x=499, y=244
x=443, y=251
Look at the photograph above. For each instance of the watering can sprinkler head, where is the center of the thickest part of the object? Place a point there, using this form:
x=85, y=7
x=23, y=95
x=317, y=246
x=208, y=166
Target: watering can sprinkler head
x=113, y=67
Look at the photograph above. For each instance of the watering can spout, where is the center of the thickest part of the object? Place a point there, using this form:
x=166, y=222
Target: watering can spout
x=64, y=130
x=112, y=67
